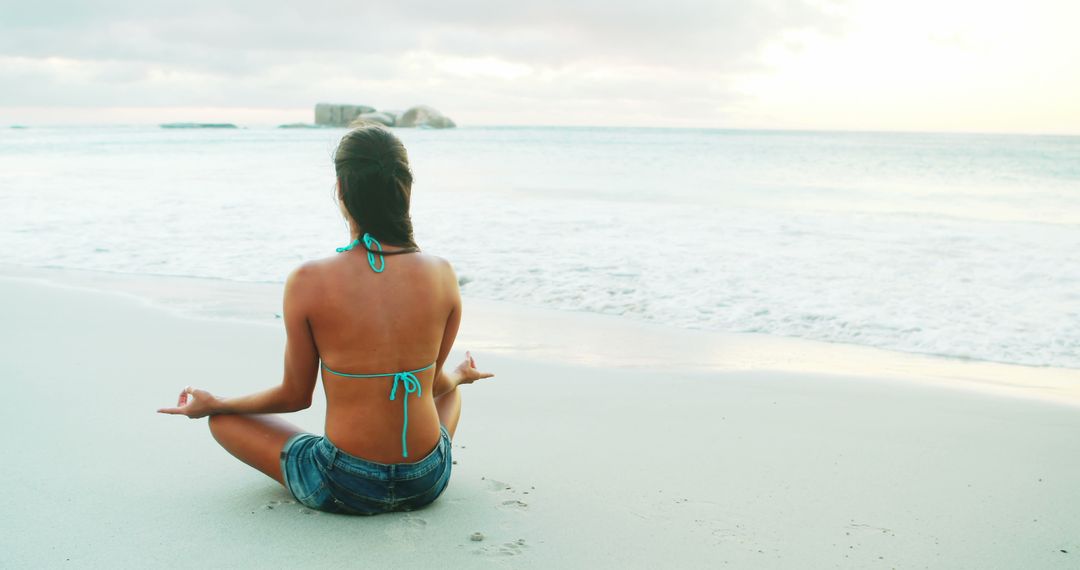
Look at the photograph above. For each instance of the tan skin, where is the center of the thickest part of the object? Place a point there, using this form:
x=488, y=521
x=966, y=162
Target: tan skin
x=359, y=322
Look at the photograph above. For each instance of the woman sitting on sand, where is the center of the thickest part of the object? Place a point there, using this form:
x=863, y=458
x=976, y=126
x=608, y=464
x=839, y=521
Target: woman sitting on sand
x=382, y=317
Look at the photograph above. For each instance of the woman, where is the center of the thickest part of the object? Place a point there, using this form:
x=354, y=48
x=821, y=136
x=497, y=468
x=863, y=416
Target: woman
x=382, y=317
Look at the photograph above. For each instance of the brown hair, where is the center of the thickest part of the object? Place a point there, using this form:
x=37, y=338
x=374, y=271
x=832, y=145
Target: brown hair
x=376, y=183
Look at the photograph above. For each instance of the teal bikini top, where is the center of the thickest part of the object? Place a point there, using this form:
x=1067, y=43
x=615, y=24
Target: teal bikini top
x=409, y=382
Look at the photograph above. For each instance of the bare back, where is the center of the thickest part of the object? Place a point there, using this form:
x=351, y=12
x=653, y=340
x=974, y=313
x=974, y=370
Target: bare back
x=363, y=322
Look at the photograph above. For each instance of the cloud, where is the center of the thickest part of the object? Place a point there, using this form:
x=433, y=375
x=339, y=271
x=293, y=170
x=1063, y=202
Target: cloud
x=559, y=54
x=552, y=32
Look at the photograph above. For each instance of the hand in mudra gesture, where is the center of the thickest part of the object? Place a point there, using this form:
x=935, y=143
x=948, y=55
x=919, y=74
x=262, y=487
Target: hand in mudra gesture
x=467, y=371
x=193, y=403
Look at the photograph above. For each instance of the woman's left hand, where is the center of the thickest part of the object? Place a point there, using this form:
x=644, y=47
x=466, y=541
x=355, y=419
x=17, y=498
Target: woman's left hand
x=193, y=403
x=467, y=372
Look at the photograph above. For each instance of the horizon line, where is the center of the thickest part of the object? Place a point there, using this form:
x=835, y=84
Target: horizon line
x=277, y=125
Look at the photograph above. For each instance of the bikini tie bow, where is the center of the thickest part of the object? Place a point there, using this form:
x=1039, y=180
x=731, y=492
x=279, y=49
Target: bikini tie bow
x=369, y=241
x=410, y=385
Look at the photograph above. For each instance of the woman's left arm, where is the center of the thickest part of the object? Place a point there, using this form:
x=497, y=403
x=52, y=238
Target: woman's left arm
x=301, y=364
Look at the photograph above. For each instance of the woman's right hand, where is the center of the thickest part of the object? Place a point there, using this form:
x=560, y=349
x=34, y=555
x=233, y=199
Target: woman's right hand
x=467, y=372
x=192, y=403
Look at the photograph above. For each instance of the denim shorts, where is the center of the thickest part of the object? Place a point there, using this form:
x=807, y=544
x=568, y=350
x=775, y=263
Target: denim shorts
x=324, y=478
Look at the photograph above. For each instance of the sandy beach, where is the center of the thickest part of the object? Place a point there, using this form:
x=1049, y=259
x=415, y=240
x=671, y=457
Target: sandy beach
x=560, y=462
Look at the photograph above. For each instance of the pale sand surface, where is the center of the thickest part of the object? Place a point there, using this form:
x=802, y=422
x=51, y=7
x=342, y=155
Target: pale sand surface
x=565, y=460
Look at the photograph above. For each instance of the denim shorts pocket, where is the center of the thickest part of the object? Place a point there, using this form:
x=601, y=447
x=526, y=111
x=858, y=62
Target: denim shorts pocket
x=419, y=492
x=359, y=493
x=312, y=498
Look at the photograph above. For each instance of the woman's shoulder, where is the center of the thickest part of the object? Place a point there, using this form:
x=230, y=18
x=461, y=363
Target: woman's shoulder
x=435, y=261
x=305, y=279
x=311, y=272
x=435, y=270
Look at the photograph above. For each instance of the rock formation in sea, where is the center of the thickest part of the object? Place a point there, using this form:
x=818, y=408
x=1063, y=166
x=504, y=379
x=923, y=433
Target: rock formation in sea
x=339, y=115
x=424, y=116
x=379, y=117
x=331, y=115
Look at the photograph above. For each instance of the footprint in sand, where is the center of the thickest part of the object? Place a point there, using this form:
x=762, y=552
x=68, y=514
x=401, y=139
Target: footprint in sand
x=271, y=505
x=494, y=485
x=514, y=548
x=514, y=505
x=405, y=527
x=413, y=521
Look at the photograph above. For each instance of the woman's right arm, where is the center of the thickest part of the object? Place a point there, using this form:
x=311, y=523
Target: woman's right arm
x=466, y=372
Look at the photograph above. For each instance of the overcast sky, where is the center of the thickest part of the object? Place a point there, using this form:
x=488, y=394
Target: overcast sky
x=938, y=65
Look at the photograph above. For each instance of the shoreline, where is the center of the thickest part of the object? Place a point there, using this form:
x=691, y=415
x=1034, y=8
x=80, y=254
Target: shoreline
x=591, y=339
x=559, y=463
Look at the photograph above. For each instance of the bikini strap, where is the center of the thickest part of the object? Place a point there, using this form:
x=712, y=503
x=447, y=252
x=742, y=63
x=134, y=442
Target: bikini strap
x=368, y=241
x=409, y=383
x=385, y=374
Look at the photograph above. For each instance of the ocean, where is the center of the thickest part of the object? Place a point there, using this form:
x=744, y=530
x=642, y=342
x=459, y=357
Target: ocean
x=959, y=245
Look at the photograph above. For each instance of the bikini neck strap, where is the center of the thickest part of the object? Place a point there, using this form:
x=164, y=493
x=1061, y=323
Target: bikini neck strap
x=368, y=240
